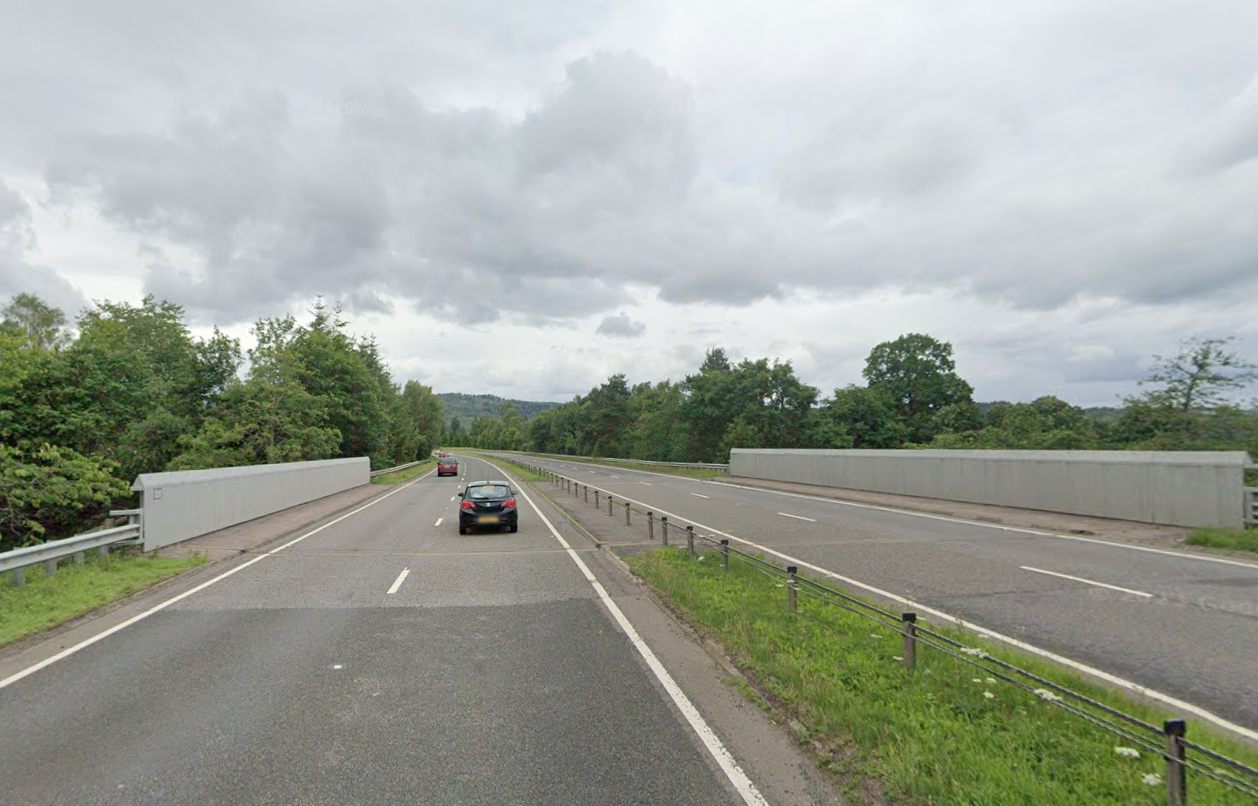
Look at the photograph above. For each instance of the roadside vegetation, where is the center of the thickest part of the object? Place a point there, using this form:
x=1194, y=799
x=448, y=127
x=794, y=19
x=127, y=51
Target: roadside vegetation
x=1231, y=539
x=74, y=590
x=405, y=475
x=695, y=473
x=525, y=473
x=946, y=734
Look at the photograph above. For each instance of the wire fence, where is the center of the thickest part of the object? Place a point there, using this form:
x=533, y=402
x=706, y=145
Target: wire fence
x=1168, y=741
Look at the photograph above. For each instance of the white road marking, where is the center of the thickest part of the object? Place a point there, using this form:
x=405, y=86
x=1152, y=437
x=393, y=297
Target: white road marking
x=453, y=497
x=986, y=525
x=746, y=789
x=797, y=517
x=438, y=523
x=697, y=495
x=397, y=583
x=1112, y=679
x=68, y=651
x=1086, y=581
x=647, y=483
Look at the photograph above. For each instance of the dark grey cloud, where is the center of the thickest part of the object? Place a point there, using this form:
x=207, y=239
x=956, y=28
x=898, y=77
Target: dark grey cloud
x=620, y=326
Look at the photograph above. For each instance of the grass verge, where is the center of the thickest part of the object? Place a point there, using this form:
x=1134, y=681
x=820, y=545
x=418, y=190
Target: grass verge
x=1233, y=539
x=45, y=602
x=672, y=471
x=405, y=475
x=946, y=734
x=526, y=473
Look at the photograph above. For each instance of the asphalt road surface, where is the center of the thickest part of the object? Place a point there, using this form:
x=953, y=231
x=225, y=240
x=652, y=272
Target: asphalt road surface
x=1183, y=625
x=382, y=660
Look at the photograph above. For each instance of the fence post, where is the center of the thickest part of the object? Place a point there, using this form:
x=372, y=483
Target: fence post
x=650, y=525
x=19, y=577
x=725, y=554
x=595, y=499
x=587, y=493
x=664, y=533
x=609, y=504
x=690, y=540
x=50, y=567
x=627, y=513
x=791, y=585
x=79, y=557
x=1176, y=776
x=909, y=622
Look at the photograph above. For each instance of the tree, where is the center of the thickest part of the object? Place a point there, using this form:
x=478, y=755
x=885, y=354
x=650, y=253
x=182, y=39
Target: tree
x=1046, y=423
x=919, y=374
x=863, y=417
x=48, y=491
x=42, y=324
x=1199, y=376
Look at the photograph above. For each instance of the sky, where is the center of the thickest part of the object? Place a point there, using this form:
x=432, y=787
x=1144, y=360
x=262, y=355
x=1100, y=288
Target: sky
x=524, y=198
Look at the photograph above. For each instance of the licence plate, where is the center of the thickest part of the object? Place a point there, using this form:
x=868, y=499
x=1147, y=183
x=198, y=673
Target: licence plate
x=487, y=519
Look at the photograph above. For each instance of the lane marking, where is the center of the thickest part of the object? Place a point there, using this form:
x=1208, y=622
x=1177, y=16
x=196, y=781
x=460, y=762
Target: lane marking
x=797, y=517
x=746, y=789
x=1112, y=679
x=438, y=523
x=1086, y=581
x=998, y=527
x=453, y=497
x=700, y=495
x=647, y=483
x=397, y=583
x=68, y=651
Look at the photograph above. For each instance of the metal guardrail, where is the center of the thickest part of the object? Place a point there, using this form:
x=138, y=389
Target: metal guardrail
x=388, y=470
x=1168, y=741
x=648, y=462
x=1251, y=508
x=48, y=554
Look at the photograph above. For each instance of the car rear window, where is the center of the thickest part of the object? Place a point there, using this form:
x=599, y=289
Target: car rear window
x=448, y=462
x=488, y=491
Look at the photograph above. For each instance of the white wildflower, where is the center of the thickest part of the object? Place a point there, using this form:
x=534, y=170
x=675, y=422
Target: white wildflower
x=874, y=635
x=896, y=657
x=1129, y=752
x=1152, y=779
x=976, y=680
x=1045, y=694
x=978, y=653
x=989, y=695
x=991, y=680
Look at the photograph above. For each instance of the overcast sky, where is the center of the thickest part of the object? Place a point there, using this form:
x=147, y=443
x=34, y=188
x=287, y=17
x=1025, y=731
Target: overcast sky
x=523, y=198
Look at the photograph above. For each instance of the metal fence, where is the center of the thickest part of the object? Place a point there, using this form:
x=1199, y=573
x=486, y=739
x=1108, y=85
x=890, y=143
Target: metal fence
x=49, y=554
x=1169, y=741
x=388, y=470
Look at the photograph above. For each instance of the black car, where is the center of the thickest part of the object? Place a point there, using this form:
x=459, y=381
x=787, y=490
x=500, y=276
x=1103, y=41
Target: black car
x=490, y=504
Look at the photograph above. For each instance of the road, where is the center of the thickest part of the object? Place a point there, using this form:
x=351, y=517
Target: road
x=385, y=659
x=1183, y=625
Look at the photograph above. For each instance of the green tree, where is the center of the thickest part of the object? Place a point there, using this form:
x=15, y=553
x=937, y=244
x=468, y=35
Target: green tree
x=864, y=417
x=48, y=492
x=43, y=325
x=918, y=373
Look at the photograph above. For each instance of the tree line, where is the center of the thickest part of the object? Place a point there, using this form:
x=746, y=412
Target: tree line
x=912, y=397
x=130, y=390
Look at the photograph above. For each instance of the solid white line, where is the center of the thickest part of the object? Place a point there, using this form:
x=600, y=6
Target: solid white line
x=438, y=523
x=746, y=789
x=797, y=517
x=1086, y=581
x=986, y=525
x=397, y=583
x=1114, y=680
x=68, y=651
x=647, y=483
x=698, y=495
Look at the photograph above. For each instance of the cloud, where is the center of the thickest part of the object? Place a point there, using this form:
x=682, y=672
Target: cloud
x=620, y=326
x=18, y=274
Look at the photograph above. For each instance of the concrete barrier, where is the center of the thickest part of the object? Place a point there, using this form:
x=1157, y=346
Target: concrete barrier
x=1186, y=488
x=187, y=503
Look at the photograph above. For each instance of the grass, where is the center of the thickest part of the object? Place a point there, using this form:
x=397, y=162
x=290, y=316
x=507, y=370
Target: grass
x=1234, y=539
x=526, y=473
x=405, y=475
x=45, y=602
x=931, y=737
x=644, y=465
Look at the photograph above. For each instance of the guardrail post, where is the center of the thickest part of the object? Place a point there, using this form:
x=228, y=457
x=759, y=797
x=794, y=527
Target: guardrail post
x=50, y=567
x=791, y=585
x=79, y=557
x=609, y=505
x=690, y=540
x=595, y=499
x=587, y=493
x=650, y=525
x=1176, y=775
x=909, y=623
x=627, y=514
x=664, y=532
x=19, y=577
x=102, y=552
x=725, y=554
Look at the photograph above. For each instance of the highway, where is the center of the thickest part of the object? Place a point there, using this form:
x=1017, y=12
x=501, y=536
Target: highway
x=385, y=659
x=1183, y=625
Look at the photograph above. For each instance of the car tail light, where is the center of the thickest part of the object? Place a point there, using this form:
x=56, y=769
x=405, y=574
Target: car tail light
x=468, y=505
x=509, y=504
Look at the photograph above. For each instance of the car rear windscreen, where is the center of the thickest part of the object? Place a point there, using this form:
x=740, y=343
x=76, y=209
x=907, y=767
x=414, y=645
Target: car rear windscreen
x=488, y=492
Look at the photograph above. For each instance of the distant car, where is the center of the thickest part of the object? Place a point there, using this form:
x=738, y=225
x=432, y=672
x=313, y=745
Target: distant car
x=442, y=454
x=488, y=504
x=448, y=466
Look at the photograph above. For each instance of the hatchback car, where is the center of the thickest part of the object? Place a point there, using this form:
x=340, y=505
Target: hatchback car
x=449, y=466
x=488, y=504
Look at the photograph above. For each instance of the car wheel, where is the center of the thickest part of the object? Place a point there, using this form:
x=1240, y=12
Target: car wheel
x=462, y=529
x=513, y=528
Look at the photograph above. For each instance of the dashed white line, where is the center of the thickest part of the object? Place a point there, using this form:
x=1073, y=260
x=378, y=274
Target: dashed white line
x=697, y=495
x=647, y=483
x=438, y=523
x=397, y=583
x=1086, y=581
x=453, y=497
x=797, y=517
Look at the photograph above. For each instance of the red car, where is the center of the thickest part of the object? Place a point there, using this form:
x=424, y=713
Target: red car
x=449, y=466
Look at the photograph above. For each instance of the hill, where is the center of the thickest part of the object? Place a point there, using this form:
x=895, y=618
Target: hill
x=469, y=407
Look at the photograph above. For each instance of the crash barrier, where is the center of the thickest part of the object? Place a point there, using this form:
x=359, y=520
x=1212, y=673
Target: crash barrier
x=389, y=470
x=187, y=503
x=1183, y=758
x=16, y=561
x=1177, y=488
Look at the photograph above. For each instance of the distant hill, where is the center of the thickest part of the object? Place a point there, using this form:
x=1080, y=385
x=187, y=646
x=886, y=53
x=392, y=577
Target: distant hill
x=469, y=407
